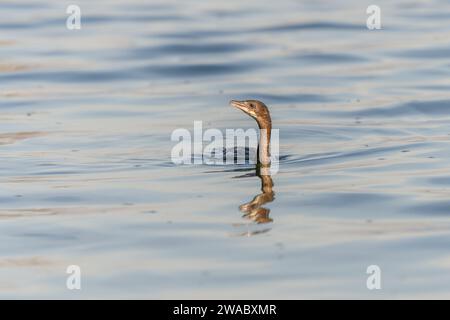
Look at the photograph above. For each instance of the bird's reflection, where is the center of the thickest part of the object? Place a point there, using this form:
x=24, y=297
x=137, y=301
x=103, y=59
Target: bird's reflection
x=254, y=209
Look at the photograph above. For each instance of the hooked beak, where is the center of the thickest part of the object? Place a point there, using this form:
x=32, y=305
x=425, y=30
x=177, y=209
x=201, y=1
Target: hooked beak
x=239, y=104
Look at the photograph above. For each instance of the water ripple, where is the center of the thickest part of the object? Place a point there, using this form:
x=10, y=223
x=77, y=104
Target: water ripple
x=334, y=26
x=428, y=108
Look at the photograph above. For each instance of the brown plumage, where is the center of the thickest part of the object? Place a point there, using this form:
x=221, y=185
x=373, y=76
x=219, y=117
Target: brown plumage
x=258, y=111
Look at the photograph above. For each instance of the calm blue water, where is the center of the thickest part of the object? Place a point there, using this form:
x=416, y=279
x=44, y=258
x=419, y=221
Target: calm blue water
x=86, y=175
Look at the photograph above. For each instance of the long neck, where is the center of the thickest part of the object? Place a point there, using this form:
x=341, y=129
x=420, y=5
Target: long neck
x=265, y=128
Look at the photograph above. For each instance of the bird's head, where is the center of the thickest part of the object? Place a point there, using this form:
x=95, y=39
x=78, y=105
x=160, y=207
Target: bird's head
x=255, y=109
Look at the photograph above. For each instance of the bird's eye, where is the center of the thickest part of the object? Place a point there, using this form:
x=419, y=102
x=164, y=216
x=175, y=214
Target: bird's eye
x=252, y=105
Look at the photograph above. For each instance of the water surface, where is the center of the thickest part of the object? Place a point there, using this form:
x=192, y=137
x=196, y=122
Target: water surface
x=87, y=179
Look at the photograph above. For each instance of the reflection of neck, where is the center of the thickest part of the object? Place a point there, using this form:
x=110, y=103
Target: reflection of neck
x=266, y=184
x=266, y=180
x=265, y=128
x=254, y=209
